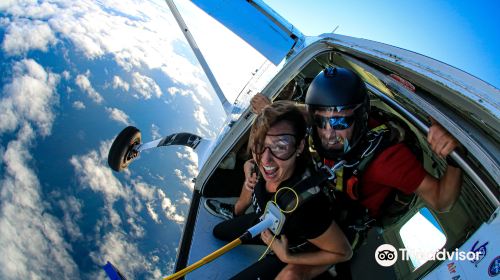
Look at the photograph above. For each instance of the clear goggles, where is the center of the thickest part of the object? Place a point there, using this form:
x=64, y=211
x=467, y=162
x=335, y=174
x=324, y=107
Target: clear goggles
x=281, y=146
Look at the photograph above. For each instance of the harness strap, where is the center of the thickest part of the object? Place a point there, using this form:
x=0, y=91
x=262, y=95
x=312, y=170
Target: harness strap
x=307, y=187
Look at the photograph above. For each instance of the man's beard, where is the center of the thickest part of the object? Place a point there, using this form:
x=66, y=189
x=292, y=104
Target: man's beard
x=335, y=143
x=332, y=142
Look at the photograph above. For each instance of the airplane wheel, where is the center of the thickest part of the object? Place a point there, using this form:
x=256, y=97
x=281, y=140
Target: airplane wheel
x=121, y=153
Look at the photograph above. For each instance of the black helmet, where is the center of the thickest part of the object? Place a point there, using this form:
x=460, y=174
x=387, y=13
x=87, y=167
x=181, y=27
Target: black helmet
x=339, y=88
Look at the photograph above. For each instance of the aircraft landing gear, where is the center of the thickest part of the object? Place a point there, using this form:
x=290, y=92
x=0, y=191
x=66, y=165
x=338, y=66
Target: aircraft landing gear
x=127, y=146
x=124, y=149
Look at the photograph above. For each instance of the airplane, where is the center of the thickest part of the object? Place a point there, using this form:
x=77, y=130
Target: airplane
x=407, y=85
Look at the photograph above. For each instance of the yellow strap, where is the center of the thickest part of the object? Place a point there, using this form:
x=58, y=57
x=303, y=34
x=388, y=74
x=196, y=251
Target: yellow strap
x=379, y=128
x=340, y=180
x=205, y=260
x=268, y=247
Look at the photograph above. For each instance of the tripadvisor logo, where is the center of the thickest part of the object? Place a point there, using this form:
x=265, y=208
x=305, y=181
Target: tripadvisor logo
x=387, y=255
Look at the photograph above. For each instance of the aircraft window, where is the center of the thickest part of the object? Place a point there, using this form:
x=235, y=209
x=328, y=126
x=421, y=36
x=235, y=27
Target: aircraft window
x=422, y=236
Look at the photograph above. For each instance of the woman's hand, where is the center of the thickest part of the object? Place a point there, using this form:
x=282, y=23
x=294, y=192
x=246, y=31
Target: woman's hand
x=245, y=198
x=250, y=175
x=279, y=245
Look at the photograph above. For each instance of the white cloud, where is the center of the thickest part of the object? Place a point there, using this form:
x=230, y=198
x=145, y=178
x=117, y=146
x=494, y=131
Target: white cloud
x=78, y=105
x=72, y=209
x=185, y=199
x=192, y=160
x=137, y=230
x=192, y=170
x=82, y=81
x=28, y=101
x=152, y=195
x=200, y=116
x=173, y=91
x=155, y=132
x=117, y=246
x=66, y=75
x=188, y=154
x=95, y=32
x=93, y=173
x=118, y=249
x=199, y=113
x=202, y=91
x=29, y=9
x=126, y=36
x=169, y=209
x=145, y=86
x=146, y=191
x=29, y=98
x=185, y=180
x=118, y=115
x=152, y=213
x=23, y=219
x=23, y=35
x=119, y=83
x=184, y=92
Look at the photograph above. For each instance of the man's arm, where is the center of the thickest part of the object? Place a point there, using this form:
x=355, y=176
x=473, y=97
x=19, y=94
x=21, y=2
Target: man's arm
x=441, y=194
x=259, y=102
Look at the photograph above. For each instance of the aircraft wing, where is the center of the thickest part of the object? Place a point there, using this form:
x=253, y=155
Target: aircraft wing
x=257, y=24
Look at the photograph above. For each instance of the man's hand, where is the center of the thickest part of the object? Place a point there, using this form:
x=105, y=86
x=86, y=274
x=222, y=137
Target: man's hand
x=442, y=143
x=258, y=102
x=250, y=169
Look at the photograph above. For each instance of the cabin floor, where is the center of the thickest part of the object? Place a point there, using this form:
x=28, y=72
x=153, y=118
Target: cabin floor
x=204, y=243
x=363, y=263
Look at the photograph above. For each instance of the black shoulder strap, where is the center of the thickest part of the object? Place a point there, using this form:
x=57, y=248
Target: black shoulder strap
x=379, y=140
x=291, y=196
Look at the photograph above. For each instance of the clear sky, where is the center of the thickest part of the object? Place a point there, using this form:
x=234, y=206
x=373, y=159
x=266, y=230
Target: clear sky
x=464, y=34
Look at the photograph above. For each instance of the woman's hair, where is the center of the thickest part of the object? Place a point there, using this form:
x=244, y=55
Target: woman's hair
x=282, y=110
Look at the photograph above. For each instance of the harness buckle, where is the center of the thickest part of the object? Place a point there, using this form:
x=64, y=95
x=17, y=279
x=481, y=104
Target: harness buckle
x=332, y=170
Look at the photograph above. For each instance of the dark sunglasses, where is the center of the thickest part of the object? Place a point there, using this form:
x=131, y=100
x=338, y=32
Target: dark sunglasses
x=337, y=123
x=283, y=146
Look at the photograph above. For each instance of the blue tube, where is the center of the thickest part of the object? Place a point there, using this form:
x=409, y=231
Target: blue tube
x=261, y=226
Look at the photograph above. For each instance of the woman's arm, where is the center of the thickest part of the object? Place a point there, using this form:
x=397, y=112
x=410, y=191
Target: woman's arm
x=245, y=198
x=333, y=245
